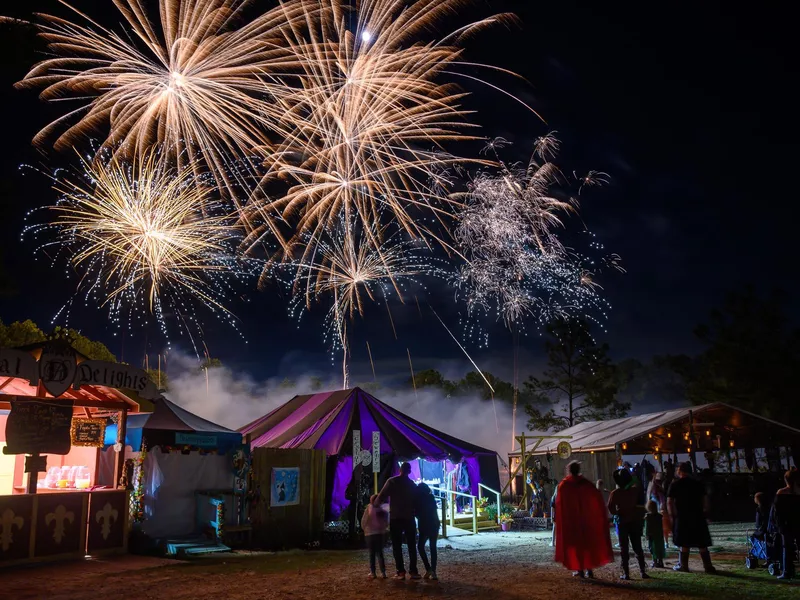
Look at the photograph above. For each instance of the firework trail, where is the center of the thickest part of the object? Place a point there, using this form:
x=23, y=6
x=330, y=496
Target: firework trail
x=363, y=123
x=349, y=273
x=143, y=233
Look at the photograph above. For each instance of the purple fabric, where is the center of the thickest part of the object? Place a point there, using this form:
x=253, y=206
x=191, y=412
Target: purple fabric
x=474, y=472
x=415, y=471
x=423, y=446
x=295, y=417
x=331, y=441
x=368, y=426
x=342, y=478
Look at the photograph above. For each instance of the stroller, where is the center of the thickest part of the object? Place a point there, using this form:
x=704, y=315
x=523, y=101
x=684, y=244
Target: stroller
x=767, y=548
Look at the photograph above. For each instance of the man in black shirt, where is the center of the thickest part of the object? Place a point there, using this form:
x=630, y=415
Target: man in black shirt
x=686, y=501
x=402, y=494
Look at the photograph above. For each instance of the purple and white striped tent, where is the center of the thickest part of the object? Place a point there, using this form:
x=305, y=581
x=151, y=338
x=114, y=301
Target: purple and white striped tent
x=326, y=421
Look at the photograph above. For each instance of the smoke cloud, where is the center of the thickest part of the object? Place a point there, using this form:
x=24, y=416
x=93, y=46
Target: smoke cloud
x=233, y=398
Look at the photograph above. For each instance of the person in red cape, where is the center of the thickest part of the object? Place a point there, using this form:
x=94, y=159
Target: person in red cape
x=583, y=541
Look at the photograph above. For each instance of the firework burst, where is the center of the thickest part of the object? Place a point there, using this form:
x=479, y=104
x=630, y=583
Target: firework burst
x=188, y=81
x=516, y=264
x=349, y=273
x=144, y=234
x=363, y=123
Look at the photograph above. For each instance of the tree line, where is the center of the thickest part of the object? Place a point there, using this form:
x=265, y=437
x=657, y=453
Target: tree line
x=750, y=359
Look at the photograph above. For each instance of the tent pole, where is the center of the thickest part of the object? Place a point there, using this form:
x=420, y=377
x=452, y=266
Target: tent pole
x=122, y=430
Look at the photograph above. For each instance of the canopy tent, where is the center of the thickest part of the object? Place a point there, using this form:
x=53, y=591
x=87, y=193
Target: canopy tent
x=666, y=432
x=171, y=425
x=326, y=421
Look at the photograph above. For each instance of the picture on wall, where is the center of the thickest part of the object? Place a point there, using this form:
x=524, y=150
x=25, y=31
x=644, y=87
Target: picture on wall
x=285, y=488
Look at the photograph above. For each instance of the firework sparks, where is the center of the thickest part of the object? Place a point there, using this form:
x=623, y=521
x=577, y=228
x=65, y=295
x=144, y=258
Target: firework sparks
x=515, y=262
x=351, y=273
x=143, y=234
x=362, y=125
x=188, y=82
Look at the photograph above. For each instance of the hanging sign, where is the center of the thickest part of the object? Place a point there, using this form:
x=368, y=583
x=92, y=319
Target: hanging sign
x=564, y=450
x=360, y=456
x=376, y=451
x=115, y=375
x=18, y=363
x=88, y=432
x=38, y=427
x=57, y=366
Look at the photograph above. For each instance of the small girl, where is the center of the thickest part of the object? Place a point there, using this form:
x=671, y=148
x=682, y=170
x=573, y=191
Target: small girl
x=374, y=523
x=654, y=532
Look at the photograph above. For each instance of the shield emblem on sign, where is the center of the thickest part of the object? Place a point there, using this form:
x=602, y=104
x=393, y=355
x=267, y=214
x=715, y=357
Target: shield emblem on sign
x=57, y=367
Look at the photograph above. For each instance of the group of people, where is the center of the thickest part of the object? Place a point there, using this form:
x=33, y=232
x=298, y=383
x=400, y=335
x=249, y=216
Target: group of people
x=581, y=527
x=409, y=504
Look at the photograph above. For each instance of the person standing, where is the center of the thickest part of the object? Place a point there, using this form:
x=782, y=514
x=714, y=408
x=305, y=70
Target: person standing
x=623, y=503
x=583, y=542
x=374, y=522
x=401, y=492
x=428, y=519
x=654, y=533
x=687, y=504
x=657, y=493
x=786, y=510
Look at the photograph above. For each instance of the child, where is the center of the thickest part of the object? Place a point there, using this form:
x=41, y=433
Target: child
x=654, y=532
x=374, y=523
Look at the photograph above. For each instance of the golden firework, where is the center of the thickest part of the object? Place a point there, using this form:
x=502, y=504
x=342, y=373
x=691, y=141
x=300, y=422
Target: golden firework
x=143, y=229
x=362, y=126
x=188, y=82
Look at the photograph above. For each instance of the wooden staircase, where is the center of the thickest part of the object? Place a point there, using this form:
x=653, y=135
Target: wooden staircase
x=464, y=522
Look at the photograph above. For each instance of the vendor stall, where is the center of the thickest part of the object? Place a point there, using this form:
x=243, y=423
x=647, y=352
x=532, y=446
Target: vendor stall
x=190, y=476
x=56, y=404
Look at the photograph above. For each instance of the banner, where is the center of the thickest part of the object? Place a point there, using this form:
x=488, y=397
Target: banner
x=376, y=451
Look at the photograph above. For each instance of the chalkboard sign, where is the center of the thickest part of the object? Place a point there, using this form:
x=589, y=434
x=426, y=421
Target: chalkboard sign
x=38, y=427
x=88, y=432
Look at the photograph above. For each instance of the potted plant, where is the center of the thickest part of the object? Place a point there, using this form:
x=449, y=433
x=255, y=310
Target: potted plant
x=481, y=504
x=505, y=521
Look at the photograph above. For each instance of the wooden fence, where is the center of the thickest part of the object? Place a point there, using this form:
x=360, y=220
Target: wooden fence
x=278, y=527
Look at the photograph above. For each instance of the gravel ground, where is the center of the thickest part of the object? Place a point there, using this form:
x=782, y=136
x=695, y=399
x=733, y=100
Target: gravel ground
x=501, y=566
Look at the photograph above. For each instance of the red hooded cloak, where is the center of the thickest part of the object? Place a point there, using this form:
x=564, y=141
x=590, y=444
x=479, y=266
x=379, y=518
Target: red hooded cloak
x=583, y=541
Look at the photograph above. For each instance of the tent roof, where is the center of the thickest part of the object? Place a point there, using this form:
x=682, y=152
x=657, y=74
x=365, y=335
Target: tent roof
x=168, y=416
x=324, y=421
x=665, y=429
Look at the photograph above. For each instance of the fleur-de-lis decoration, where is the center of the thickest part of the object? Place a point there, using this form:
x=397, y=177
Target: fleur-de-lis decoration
x=60, y=516
x=7, y=523
x=106, y=516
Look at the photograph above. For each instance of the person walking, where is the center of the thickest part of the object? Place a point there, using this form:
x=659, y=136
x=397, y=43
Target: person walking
x=402, y=492
x=428, y=520
x=374, y=523
x=623, y=503
x=787, y=518
x=582, y=539
x=687, y=503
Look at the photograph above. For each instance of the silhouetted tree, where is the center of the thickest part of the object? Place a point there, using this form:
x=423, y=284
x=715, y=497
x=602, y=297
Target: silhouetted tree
x=751, y=357
x=579, y=384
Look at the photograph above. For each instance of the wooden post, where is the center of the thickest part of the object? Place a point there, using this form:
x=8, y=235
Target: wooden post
x=122, y=430
x=444, y=517
x=375, y=481
x=33, y=474
x=692, y=449
x=524, y=466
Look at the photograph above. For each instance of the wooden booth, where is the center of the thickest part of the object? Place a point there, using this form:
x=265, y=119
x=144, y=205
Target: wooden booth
x=55, y=405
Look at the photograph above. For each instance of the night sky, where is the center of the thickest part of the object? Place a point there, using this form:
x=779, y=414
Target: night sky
x=689, y=106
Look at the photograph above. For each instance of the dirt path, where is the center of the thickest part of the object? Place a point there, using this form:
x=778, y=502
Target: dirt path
x=514, y=573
